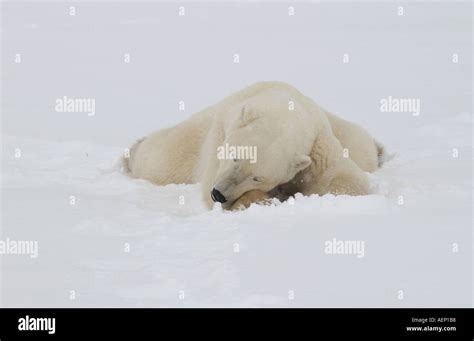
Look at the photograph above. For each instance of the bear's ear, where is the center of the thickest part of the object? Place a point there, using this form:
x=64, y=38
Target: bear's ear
x=248, y=114
x=299, y=163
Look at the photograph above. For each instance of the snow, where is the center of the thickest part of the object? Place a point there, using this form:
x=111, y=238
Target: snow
x=125, y=242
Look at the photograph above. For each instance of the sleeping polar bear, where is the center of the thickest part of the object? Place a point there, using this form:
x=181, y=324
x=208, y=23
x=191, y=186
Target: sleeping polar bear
x=299, y=148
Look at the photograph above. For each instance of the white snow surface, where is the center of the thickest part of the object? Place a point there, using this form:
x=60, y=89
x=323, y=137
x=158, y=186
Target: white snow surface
x=128, y=243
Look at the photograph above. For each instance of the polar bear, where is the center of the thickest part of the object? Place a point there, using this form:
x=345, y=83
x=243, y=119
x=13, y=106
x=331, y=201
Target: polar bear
x=299, y=146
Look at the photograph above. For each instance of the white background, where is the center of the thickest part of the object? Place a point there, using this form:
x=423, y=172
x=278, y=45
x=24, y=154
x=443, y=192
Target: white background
x=185, y=247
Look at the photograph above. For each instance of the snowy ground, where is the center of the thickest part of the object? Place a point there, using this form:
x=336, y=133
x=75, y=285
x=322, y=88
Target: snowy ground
x=128, y=243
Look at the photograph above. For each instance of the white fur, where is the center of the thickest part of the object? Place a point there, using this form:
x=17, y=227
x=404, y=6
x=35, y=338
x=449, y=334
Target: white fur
x=298, y=150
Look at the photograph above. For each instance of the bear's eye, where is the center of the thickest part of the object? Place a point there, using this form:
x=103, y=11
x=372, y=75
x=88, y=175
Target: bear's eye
x=257, y=178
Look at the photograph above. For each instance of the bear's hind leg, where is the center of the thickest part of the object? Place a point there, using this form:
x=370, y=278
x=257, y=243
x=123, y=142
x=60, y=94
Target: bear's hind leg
x=349, y=184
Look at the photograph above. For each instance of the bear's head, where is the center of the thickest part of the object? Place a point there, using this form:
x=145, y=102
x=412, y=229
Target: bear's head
x=263, y=147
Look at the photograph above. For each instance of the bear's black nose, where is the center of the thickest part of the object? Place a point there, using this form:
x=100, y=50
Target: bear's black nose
x=217, y=196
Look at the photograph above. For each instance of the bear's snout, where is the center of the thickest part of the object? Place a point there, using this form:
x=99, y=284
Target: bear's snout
x=217, y=196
